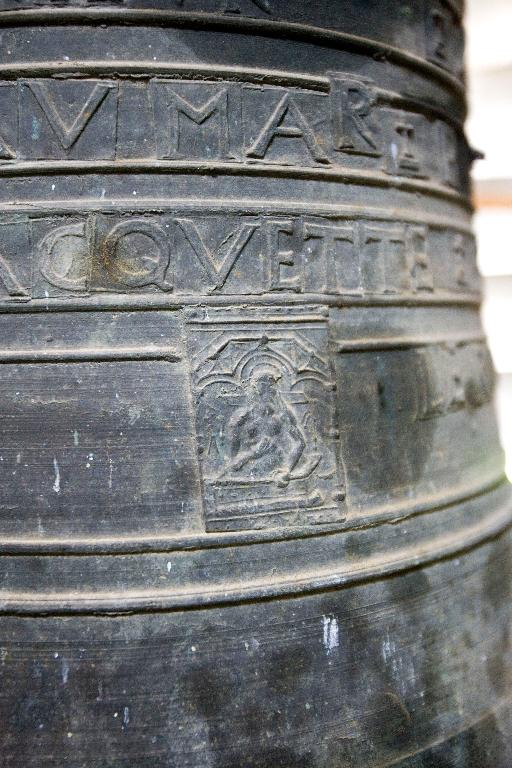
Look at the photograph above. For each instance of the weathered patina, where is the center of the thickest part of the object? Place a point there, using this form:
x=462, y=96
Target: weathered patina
x=252, y=504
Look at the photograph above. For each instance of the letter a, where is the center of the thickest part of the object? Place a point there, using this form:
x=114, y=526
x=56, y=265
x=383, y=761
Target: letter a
x=299, y=129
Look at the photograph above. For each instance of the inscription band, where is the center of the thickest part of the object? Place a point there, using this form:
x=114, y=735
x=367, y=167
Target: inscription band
x=210, y=74
x=47, y=258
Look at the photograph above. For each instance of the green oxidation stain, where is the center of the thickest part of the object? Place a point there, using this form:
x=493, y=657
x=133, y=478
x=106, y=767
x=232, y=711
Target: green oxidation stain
x=36, y=129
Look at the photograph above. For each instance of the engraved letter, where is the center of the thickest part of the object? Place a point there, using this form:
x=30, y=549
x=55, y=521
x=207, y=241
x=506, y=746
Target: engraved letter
x=170, y=108
x=444, y=40
x=6, y=152
x=449, y=164
x=16, y=257
x=403, y=157
x=66, y=258
x=384, y=268
x=298, y=129
x=351, y=104
x=440, y=25
x=68, y=132
x=217, y=265
x=10, y=280
x=8, y=120
x=466, y=271
x=459, y=255
x=420, y=269
x=329, y=236
x=278, y=258
x=136, y=253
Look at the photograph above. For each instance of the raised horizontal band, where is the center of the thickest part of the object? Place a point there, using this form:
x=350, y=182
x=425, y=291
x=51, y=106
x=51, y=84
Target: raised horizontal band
x=89, y=355
x=213, y=205
x=290, y=30
x=402, y=342
x=437, y=536
x=124, y=302
x=332, y=175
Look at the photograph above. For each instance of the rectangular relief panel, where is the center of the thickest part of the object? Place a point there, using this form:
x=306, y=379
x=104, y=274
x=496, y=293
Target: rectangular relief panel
x=264, y=397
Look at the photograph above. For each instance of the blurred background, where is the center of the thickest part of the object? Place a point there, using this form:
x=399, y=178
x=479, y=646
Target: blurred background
x=489, y=68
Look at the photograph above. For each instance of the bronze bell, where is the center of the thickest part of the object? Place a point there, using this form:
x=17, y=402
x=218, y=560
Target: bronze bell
x=253, y=511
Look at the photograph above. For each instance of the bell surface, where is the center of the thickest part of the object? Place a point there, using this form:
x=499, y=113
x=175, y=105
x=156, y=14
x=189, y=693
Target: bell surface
x=253, y=511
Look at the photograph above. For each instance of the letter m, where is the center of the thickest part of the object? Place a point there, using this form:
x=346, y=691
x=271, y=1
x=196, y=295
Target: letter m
x=177, y=121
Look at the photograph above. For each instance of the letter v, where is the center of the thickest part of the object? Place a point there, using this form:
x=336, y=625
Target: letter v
x=68, y=134
x=230, y=250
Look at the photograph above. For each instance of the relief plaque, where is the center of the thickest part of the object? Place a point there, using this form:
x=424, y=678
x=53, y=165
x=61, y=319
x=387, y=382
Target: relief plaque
x=268, y=441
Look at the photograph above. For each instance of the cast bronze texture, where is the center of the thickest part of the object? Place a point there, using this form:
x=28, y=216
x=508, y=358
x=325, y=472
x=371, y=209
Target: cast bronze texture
x=253, y=510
